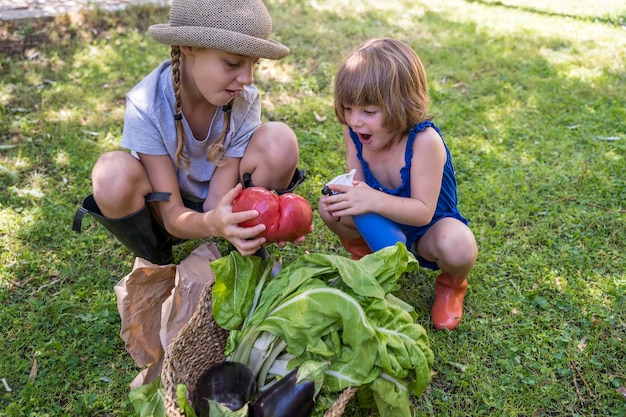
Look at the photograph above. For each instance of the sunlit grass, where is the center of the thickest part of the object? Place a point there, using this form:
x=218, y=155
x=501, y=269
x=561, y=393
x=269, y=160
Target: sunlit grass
x=576, y=8
x=530, y=99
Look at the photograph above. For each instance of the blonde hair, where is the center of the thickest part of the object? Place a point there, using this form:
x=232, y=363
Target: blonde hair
x=387, y=73
x=215, y=153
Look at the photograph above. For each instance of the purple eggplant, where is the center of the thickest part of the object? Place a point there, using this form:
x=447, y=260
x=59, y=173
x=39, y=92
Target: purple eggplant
x=231, y=384
x=286, y=398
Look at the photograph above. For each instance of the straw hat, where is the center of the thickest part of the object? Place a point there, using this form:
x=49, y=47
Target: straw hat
x=241, y=27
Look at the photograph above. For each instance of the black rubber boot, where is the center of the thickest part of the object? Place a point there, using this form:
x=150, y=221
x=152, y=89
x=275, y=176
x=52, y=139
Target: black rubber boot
x=139, y=231
x=298, y=177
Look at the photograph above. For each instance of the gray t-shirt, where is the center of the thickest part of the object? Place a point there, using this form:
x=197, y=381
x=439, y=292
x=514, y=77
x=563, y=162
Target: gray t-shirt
x=149, y=128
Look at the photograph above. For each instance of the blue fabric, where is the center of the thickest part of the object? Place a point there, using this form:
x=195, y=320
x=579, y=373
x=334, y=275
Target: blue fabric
x=447, y=203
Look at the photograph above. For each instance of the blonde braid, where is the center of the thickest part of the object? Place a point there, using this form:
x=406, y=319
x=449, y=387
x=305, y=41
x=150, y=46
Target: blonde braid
x=215, y=153
x=178, y=107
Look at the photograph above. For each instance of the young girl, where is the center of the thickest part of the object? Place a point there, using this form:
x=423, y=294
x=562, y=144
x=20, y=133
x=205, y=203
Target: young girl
x=403, y=168
x=194, y=129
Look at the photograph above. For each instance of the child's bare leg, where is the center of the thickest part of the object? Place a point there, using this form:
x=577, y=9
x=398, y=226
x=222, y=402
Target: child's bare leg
x=120, y=184
x=451, y=244
x=271, y=156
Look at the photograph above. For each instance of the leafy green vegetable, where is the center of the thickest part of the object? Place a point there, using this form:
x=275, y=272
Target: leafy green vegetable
x=332, y=310
x=219, y=410
x=183, y=404
x=235, y=294
x=148, y=399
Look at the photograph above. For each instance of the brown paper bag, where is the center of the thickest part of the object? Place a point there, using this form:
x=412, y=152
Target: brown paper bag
x=155, y=301
x=140, y=296
x=192, y=274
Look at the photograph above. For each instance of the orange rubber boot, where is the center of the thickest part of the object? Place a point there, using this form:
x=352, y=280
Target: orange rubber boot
x=357, y=247
x=447, y=309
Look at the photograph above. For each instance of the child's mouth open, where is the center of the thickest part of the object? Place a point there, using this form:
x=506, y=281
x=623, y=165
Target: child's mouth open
x=364, y=138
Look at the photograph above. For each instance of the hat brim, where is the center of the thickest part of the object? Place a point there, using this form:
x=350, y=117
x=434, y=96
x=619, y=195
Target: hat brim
x=233, y=42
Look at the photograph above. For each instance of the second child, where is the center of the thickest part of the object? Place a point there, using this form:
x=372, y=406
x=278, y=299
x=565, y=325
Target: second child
x=404, y=169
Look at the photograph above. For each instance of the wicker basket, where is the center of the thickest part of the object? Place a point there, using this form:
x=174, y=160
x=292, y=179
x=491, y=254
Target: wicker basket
x=200, y=344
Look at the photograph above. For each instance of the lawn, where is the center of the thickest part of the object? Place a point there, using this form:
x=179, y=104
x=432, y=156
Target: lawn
x=530, y=97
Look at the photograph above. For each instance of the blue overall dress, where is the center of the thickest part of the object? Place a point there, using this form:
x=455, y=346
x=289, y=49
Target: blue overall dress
x=447, y=202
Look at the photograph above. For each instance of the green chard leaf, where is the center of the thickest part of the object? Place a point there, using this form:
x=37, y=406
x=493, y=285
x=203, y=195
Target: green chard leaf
x=334, y=312
x=183, y=404
x=148, y=399
x=237, y=278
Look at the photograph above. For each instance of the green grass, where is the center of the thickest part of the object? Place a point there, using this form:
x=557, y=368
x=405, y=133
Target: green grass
x=530, y=98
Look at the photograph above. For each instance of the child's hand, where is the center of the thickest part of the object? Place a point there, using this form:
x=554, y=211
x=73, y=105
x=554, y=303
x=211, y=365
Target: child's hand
x=350, y=200
x=227, y=224
x=297, y=242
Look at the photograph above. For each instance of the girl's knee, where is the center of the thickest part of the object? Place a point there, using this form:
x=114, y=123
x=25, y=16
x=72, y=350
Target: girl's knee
x=279, y=130
x=111, y=164
x=461, y=247
x=118, y=175
x=451, y=244
x=271, y=156
x=278, y=141
x=463, y=252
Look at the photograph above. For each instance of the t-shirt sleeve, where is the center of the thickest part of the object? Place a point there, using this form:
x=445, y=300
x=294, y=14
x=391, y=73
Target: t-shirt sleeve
x=140, y=133
x=246, y=121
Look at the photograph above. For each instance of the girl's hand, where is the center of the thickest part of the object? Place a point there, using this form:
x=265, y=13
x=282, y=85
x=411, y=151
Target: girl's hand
x=297, y=242
x=351, y=200
x=227, y=224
